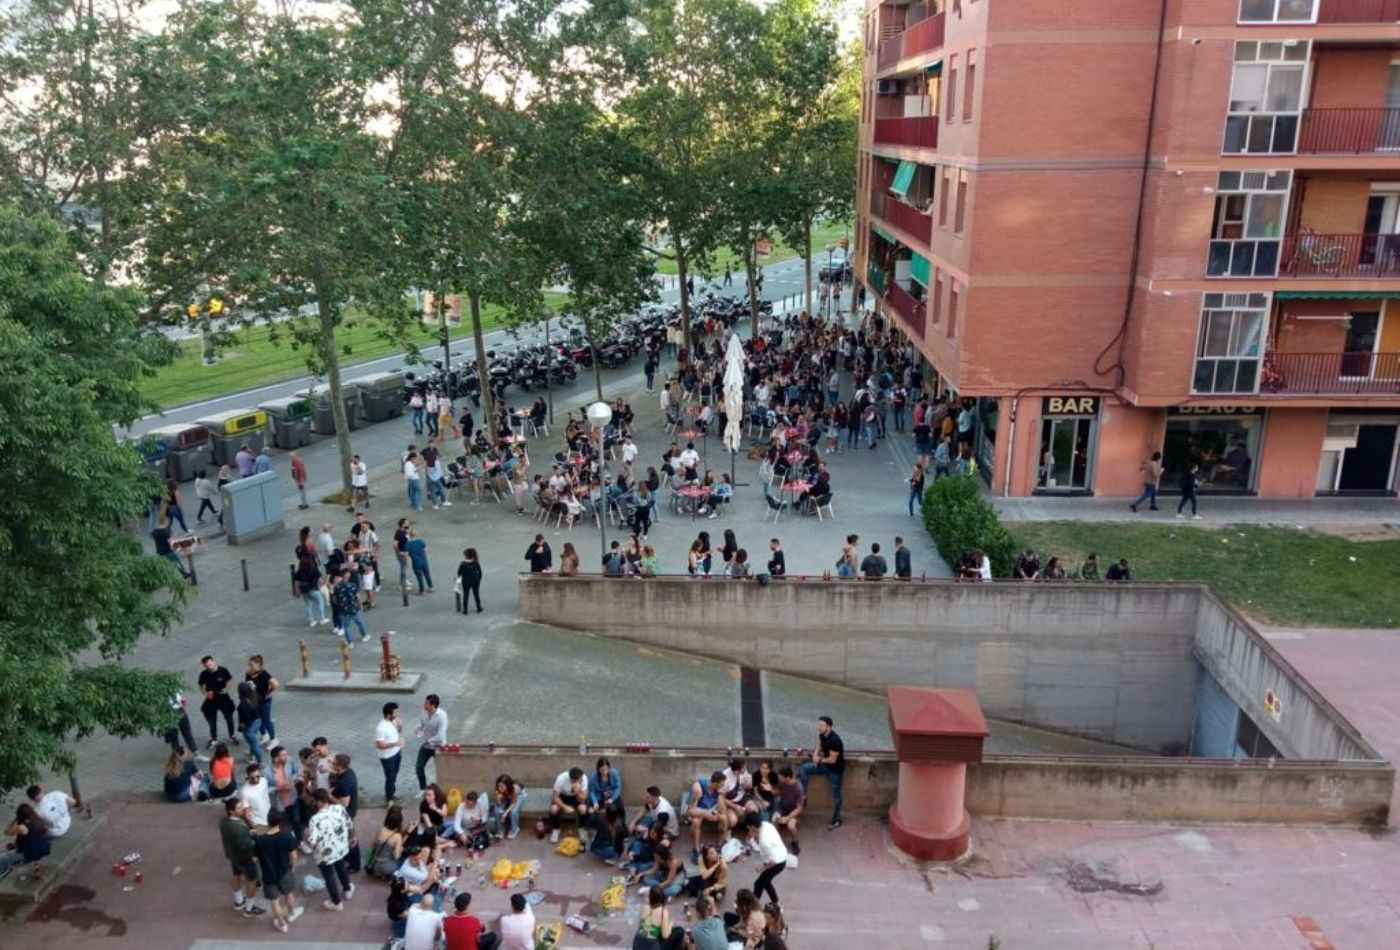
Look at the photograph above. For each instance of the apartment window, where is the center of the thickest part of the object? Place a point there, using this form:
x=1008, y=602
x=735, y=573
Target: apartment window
x=937, y=296
x=960, y=211
x=1248, y=223
x=943, y=198
x=951, y=103
x=1266, y=97
x=1278, y=11
x=1231, y=343
x=954, y=295
x=969, y=84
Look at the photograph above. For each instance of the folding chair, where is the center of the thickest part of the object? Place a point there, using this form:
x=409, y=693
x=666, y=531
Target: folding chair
x=824, y=503
x=775, y=507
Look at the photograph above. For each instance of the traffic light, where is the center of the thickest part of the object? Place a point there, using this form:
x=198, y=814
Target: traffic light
x=192, y=311
x=216, y=307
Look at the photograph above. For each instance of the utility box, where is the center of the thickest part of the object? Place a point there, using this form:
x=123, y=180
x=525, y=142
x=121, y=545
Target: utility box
x=190, y=450
x=381, y=395
x=252, y=507
x=291, y=421
x=322, y=418
x=231, y=430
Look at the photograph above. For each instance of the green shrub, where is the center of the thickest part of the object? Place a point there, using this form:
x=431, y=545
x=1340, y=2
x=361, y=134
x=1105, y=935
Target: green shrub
x=958, y=518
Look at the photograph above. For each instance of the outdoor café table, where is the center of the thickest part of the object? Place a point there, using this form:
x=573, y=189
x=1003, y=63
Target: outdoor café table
x=696, y=494
x=690, y=435
x=795, y=456
x=796, y=487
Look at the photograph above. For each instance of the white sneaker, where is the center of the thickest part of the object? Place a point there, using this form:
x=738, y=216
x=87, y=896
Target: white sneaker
x=512, y=833
x=325, y=621
x=350, y=892
x=1179, y=516
x=311, y=623
x=340, y=633
x=1195, y=517
x=304, y=848
x=447, y=504
x=281, y=925
x=297, y=911
x=554, y=836
x=331, y=905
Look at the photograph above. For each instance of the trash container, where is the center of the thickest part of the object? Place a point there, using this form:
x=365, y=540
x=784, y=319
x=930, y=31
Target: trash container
x=252, y=507
x=191, y=450
x=228, y=431
x=381, y=395
x=322, y=418
x=155, y=450
x=290, y=420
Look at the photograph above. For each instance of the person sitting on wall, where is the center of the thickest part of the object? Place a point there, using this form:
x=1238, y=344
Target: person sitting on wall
x=705, y=807
x=1027, y=566
x=1119, y=571
x=569, y=799
x=1089, y=571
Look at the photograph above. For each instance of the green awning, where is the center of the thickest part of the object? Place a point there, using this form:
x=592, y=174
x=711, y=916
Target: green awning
x=919, y=270
x=934, y=68
x=883, y=233
x=903, y=178
x=1336, y=294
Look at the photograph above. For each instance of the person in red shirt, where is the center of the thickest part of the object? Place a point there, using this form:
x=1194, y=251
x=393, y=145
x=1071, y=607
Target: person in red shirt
x=463, y=929
x=299, y=479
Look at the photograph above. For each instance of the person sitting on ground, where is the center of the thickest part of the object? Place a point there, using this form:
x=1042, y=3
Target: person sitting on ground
x=705, y=807
x=517, y=929
x=790, y=804
x=462, y=929
x=1119, y=572
x=419, y=873
x=641, y=851
x=568, y=799
x=396, y=907
x=745, y=922
x=708, y=932
x=386, y=850
x=774, y=927
x=183, y=781
x=470, y=819
x=655, y=924
x=432, y=819
x=610, y=834
x=31, y=842
x=711, y=878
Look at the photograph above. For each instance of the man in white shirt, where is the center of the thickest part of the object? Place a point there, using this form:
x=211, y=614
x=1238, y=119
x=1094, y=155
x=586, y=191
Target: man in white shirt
x=388, y=739
x=422, y=929
x=54, y=807
x=359, y=480
x=656, y=804
x=470, y=818
x=518, y=927
x=761, y=395
x=256, y=795
x=772, y=855
x=412, y=483
x=569, y=799
x=629, y=451
x=687, y=460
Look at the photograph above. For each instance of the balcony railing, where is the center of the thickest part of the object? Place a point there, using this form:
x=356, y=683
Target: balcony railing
x=913, y=311
x=908, y=219
x=875, y=277
x=919, y=131
x=1350, y=131
x=924, y=36
x=1358, y=11
x=1374, y=256
x=1330, y=374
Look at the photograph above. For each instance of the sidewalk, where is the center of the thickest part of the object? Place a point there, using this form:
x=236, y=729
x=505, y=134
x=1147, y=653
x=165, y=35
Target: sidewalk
x=1220, y=509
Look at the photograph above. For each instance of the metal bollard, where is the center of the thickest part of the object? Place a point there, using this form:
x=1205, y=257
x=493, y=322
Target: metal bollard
x=243, y=563
x=305, y=658
x=404, y=591
x=194, y=578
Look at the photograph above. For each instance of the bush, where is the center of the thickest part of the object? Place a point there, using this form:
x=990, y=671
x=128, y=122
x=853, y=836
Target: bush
x=958, y=518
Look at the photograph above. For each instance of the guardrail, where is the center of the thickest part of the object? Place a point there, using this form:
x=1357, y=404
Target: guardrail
x=1350, y=131
x=1330, y=374
x=1307, y=254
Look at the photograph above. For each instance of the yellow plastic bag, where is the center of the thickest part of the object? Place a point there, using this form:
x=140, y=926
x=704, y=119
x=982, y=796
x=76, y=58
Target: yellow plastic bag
x=614, y=898
x=569, y=847
x=454, y=798
x=500, y=871
x=520, y=870
x=547, y=936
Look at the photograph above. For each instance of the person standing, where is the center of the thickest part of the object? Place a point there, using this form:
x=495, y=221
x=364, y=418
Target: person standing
x=388, y=739
x=432, y=726
x=400, y=540
x=329, y=833
x=237, y=837
x=204, y=491
x=649, y=368
x=213, y=684
x=772, y=854
x=265, y=684
x=415, y=405
x=916, y=487
x=299, y=478
x=413, y=483
x=469, y=573
x=1151, y=477
x=359, y=482
x=903, y=568
x=243, y=460
x=1189, y=480
x=160, y=536
x=263, y=463
x=417, y=551
x=728, y=276
x=181, y=727
x=874, y=567
x=828, y=759
x=539, y=555
x=276, y=852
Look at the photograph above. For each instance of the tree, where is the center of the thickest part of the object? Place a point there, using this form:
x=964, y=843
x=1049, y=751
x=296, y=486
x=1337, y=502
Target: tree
x=819, y=99
x=264, y=179
x=77, y=591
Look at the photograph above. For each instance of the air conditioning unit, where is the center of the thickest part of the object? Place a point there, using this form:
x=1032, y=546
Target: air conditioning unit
x=886, y=87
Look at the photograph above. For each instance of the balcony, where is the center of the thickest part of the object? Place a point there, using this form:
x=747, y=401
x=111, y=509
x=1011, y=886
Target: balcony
x=924, y=36
x=875, y=279
x=1350, y=131
x=919, y=131
x=1330, y=374
x=1358, y=11
x=1363, y=256
x=908, y=219
x=914, y=312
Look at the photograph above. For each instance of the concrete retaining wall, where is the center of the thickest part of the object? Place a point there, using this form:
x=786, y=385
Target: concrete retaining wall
x=1110, y=789
x=1106, y=661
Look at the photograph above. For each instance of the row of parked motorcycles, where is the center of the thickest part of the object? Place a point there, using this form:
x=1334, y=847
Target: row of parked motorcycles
x=536, y=366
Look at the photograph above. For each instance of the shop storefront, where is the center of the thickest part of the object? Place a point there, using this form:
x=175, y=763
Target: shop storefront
x=1068, y=436
x=985, y=435
x=1223, y=441
x=1359, y=453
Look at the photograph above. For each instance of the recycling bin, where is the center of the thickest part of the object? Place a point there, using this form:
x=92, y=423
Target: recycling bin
x=290, y=420
x=190, y=449
x=252, y=507
x=322, y=418
x=155, y=450
x=230, y=431
x=381, y=395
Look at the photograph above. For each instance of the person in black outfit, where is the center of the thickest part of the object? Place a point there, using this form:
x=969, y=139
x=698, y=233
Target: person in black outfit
x=903, y=568
x=777, y=563
x=213, y=684
x=1188, y=490
x=539, y=555
x=1119, y=571
x=828, y=759
x=469, y=573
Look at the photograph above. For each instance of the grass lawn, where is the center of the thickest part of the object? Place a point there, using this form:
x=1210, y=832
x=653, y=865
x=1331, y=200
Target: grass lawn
x=822, y=235
x=253, y=360
x=1280, y=575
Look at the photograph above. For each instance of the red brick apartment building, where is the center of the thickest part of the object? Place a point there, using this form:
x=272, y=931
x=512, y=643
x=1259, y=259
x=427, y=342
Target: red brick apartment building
x=1236, y=304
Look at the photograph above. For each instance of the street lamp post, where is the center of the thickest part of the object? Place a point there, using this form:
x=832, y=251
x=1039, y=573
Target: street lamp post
x=599, y=415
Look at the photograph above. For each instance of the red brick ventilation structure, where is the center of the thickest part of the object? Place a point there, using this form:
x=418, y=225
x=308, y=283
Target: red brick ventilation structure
x=937, y=732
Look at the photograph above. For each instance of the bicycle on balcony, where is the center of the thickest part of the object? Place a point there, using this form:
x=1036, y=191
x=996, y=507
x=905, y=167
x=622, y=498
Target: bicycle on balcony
x=1314, y=255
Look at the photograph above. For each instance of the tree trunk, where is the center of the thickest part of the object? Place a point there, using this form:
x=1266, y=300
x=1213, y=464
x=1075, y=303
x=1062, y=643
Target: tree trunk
x=750, y=269
x=440, y=305
x=325, y=311
x=807, y=264
x=483, y=371
x=685, y=295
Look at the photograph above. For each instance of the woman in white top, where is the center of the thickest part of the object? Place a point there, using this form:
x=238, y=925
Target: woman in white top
x=772, y=854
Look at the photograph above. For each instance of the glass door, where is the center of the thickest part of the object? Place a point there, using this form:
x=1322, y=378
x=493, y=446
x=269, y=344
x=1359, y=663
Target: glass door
x=1390, y=118
x=1065, y=447
x=1358, y=354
